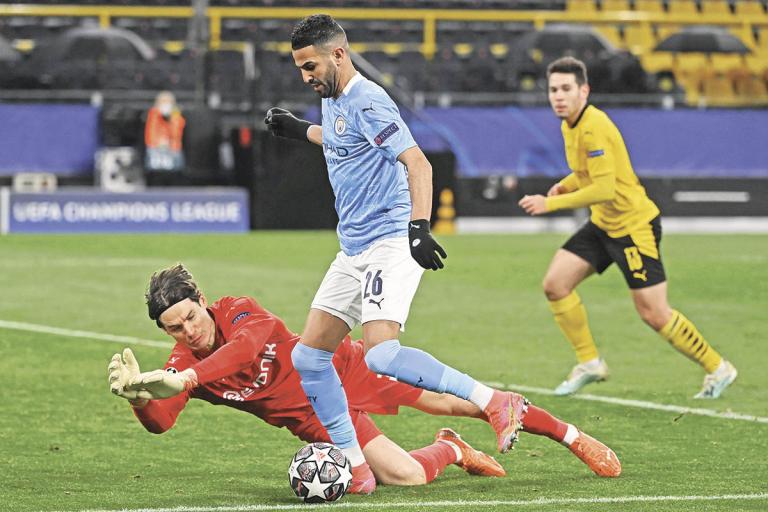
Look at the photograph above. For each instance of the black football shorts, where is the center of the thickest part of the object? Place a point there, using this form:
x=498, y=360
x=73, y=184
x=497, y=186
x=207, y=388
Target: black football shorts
x=638, y=254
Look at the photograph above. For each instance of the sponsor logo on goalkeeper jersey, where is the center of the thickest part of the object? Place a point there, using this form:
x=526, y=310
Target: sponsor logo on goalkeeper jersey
x=266, y=365
x=232, y=395
x=240, y=316
x=386, y=133
x=261, y=380
x=597, y=152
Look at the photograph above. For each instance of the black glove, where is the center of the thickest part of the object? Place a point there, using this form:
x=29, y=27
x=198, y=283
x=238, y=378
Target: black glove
x=424, y=248
x=282, y=123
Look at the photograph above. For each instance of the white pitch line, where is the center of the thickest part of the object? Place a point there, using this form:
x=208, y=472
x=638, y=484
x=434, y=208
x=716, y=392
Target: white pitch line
x=460, y=503
x=641, y=404
x=58, y=331
x=111, y=338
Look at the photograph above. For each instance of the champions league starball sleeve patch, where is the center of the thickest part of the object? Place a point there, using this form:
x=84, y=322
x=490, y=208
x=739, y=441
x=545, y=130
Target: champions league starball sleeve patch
x=386, y=133
x=240, y=317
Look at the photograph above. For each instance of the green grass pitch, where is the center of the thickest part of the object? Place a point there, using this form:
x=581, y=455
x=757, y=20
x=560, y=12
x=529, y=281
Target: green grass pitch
x=67, y=444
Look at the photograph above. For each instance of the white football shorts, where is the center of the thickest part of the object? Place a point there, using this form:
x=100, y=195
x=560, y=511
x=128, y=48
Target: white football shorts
x=377, y=284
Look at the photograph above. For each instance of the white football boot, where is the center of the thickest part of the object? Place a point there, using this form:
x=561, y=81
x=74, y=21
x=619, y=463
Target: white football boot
x=716, y=382
x=581, y=375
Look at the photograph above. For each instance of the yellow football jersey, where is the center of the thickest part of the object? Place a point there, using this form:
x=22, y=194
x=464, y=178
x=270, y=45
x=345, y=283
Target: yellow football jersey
x=602, y=176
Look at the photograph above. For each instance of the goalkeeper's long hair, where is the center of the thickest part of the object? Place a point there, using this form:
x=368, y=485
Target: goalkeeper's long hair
x=168, y=287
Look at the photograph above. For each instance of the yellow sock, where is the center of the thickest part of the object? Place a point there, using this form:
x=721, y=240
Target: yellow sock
x=571, y=316
x=684, y=336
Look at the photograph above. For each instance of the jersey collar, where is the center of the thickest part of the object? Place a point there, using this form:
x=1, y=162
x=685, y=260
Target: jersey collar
x=352, y=81
x=581, y=114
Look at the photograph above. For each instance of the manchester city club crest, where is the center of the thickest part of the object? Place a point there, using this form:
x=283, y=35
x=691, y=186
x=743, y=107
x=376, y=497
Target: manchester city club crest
x=340, y=125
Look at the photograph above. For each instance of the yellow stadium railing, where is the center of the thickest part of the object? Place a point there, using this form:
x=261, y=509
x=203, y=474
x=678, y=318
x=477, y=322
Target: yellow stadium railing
x=429, y=17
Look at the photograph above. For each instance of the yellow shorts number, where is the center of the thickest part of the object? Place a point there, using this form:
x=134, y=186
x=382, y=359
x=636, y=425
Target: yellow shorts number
x=634, y=260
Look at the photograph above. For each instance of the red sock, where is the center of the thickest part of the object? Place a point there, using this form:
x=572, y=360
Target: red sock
x=434, y=459
x=540, y=422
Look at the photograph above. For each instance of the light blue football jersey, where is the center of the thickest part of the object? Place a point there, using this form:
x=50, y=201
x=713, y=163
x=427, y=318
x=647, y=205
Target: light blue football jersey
x=363, y=134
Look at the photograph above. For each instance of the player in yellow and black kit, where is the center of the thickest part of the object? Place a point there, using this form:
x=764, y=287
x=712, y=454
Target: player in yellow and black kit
x=624, y=228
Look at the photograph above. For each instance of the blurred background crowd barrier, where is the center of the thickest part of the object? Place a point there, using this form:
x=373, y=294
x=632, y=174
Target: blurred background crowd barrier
x=686, y=81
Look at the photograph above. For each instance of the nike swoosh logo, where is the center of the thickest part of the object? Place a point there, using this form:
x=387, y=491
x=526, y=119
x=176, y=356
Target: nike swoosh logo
x=366, y=109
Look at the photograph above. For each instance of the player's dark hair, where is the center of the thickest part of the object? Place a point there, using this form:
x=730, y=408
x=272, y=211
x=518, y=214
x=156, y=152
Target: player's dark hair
x=168, y=287
x=569, y=65
x=315, y=30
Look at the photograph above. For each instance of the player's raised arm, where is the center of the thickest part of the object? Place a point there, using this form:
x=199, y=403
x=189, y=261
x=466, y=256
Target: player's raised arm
x=424, y=249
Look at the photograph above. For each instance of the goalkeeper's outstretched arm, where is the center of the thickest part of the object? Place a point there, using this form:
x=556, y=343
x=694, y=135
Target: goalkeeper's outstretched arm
x=127, y=381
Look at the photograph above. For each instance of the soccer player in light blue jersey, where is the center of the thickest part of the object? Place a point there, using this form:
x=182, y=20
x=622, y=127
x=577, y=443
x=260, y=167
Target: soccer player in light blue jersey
x=383, y=187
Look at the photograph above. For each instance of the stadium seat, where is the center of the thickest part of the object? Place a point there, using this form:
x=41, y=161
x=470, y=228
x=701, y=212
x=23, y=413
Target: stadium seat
x=692, y=92
x=749, y=8
x=757, y=64
x=639, y=38
x=658, y=62
x=682, y=7
x=413, y=67
x=752, y=90
x=718, y=7
x=612, y=33
x=463, y=50
x=665, y=30
x=581, y=6
x=691, y=62
x=615, y=5
x=649, y=5
x=745, y=34
x=762, y=44
x=718, y=91
x=691, y=72
x=450, y=32
x=728, y=64
x=499, y=50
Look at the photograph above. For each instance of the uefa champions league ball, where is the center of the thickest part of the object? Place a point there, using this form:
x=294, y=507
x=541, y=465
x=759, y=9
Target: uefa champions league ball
x=319, y=473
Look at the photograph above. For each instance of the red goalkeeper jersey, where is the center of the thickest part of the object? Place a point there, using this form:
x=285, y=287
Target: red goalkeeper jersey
x=249, y=368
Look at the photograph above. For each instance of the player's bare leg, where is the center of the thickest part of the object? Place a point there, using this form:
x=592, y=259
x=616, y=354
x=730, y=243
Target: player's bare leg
x=652, y=305
x=565, y=273
x=323, y=331
x=443, y=404
x=391, y=464
x=394, y=466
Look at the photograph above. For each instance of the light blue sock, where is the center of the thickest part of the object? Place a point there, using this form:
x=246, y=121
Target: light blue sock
x=323, y=388
x=417, y=368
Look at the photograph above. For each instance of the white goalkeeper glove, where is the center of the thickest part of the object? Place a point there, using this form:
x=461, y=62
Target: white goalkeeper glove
x=159, y=384
x=122, y=371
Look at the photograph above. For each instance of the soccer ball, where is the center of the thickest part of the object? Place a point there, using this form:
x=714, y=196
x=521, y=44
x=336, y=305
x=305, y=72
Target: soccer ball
x=319, y=473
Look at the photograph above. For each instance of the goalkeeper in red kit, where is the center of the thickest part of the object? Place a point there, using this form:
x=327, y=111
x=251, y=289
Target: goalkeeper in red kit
x=234, y=352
